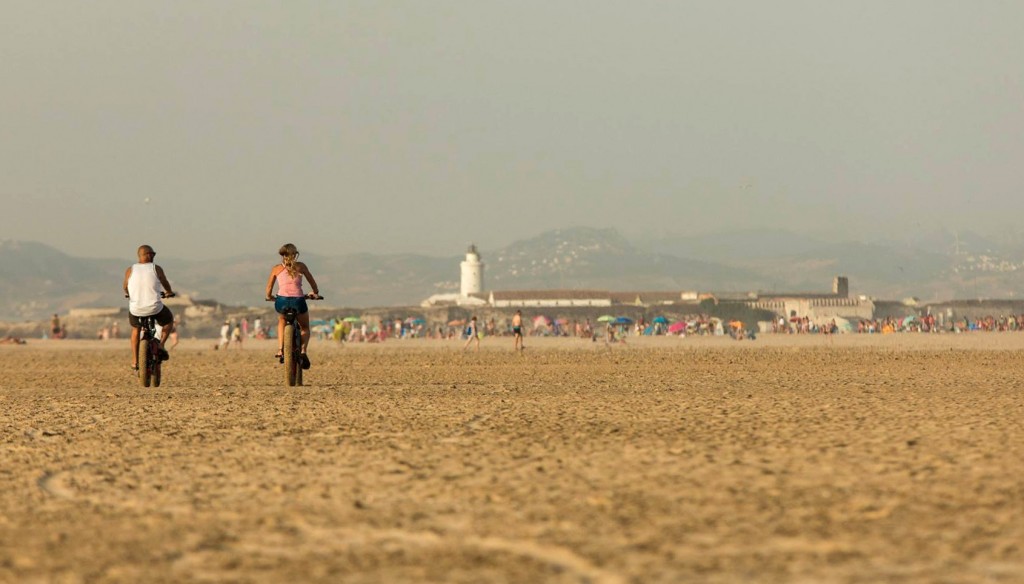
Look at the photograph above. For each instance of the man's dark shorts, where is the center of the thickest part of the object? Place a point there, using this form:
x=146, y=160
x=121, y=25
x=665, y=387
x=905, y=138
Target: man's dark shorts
x=297, y=303
x=163, y=318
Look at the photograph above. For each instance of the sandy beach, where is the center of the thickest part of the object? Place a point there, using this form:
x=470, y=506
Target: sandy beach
x=892, y=458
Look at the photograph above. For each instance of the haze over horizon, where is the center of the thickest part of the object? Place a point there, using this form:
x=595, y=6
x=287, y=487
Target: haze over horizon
x=373, y=127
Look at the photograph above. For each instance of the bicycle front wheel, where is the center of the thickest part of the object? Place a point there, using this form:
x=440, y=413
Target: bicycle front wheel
x=291, y=365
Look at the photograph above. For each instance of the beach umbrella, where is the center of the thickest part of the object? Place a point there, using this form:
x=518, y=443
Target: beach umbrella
x=844, y=325
x=563, y=321
x=456, y=322
x=606, y=318
x=675, y=328
x=540, y=321
x=623, y=320
x=351, y=319
x=660, y=320
x=909, y=320
x=317, y=322
x=415, y=321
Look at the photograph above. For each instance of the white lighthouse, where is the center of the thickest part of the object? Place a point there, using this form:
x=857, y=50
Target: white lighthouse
x=472, y=273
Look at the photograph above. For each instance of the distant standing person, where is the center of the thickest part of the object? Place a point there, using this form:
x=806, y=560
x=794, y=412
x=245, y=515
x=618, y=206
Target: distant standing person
x=55, y=327
x=288, y=276
x=611, y=337
x=517, y=330
x=142, y=282
x=225, y=336
x=474, y=334
x=236, y=335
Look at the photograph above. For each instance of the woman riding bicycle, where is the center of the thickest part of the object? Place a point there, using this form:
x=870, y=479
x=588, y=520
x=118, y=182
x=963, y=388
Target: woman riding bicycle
x=288, y=275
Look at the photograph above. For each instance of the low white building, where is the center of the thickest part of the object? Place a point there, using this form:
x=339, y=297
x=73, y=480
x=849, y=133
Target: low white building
x=817, y=309
x=548, y=298
x=454, y=299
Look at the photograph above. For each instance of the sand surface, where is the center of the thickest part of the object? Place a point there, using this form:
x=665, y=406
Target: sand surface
x=786, y=459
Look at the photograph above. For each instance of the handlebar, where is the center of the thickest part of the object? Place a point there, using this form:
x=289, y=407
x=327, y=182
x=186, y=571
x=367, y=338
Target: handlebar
x=307, y=297
x=162, y=295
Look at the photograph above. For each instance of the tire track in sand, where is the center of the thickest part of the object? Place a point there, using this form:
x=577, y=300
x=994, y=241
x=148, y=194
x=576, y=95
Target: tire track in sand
x=326, y=540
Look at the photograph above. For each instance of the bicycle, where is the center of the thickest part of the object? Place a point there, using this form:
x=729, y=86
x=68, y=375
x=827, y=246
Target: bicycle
x=149, y=349
x=291, y=355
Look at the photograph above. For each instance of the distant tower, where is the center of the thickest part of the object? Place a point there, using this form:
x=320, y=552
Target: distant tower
x=841, y=287
x=472, y=273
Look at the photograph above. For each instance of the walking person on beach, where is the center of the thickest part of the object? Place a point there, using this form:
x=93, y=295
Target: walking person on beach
x=288, y=276
x=142, y=282
x=517, y=330
x=473, y=333
x=225, y=336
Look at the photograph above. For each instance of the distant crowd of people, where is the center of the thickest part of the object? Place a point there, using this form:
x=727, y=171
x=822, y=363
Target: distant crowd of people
x=929, y=324
x=907, y=324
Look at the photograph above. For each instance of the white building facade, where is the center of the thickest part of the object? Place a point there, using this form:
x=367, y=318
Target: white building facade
x=548, y=298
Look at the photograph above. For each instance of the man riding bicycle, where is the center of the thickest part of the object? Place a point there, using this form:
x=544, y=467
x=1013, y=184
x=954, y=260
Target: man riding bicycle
x=142, y=282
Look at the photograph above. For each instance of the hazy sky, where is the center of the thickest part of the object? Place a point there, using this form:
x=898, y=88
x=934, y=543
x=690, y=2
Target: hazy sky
x=421, y=126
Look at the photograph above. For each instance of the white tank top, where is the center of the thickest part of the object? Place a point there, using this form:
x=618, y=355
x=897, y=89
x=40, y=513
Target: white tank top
x=144, y=290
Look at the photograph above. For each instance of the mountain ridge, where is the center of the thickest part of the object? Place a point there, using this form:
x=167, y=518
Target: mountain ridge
x=37, y=279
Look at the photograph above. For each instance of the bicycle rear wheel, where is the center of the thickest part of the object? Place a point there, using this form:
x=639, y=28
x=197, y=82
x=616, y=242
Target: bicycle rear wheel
x=291, y=366
x=155, y=370
x=145, y=373
x=298, y=357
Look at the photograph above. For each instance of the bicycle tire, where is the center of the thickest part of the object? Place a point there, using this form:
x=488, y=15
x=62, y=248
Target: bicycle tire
x=290, y=363
x=298, y=358
x=156, y=365
x=145, y=374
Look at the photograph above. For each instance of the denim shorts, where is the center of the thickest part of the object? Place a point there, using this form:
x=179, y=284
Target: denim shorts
x=297, y=303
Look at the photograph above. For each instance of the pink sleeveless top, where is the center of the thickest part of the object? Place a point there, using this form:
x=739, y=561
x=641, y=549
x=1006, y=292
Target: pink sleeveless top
x=289, y=286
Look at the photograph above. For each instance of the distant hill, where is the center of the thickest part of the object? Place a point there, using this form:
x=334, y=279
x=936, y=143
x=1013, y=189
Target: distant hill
x=735, y=247
x=37, y=280
x=933, y=264
x=582, y=257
